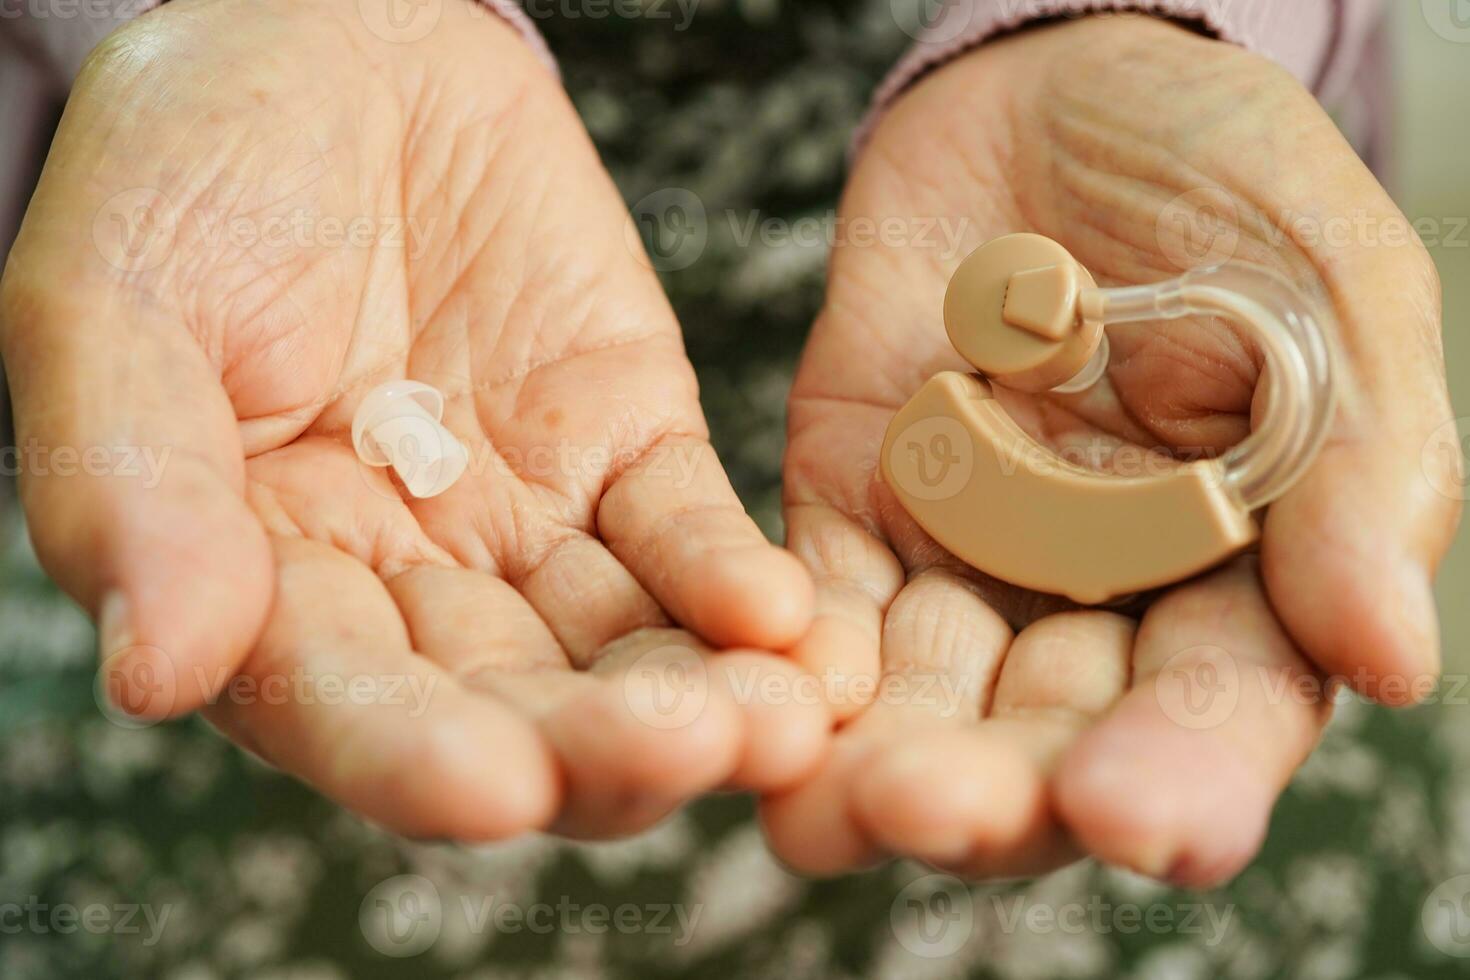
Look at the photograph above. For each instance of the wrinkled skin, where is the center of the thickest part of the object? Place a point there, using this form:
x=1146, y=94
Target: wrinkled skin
x=1012, y=734
x=594, y=525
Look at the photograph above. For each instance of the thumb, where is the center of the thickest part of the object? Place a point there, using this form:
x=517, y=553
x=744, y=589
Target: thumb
x=1350, y=554
x=131, y=475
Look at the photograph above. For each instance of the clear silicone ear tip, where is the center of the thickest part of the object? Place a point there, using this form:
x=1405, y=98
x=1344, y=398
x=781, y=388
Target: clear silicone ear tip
x=1097, y=367
x=438, y=475
x=398, y=424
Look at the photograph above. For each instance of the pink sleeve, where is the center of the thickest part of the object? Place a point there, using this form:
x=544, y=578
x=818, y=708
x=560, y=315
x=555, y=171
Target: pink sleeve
x=1318, y=41
x=59, y=45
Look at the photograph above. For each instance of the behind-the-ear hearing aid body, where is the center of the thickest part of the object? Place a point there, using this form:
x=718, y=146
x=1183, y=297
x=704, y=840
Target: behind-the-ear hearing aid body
x=1027, y=316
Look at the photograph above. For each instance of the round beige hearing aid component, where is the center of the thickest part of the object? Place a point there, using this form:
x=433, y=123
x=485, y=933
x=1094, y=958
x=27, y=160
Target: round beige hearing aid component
x=1014, y=310
x=398, y=425
x=1027, y=316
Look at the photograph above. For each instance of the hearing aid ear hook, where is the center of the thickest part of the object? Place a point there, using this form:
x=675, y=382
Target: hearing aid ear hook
x=1027, y=316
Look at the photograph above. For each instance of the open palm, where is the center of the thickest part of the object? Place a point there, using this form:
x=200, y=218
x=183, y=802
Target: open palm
x=1010, y=731
x=248, y=220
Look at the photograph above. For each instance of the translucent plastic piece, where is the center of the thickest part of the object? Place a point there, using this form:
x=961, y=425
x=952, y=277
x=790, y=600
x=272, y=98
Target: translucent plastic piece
x=398, y=424
x=1294, y=334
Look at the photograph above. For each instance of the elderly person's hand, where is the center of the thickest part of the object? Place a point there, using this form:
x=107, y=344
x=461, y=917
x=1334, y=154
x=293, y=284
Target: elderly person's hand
x=252, y=214
x=1011, y=733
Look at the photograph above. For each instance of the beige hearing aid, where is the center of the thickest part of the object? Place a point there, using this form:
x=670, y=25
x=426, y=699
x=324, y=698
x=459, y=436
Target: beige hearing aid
x=1027, y=316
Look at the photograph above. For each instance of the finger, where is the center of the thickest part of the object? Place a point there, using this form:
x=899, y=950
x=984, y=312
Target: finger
x=810, y=827
x=470, y=622
x=334, y=695
x=581, y=590
x=648, y=735
x=625, y=758
x=1349, y=555
x=671, y=680
x=476, y=626
x=492, y=522
x=367, y=518
x=977, y=801
x=787, y=724
x=856, y=578
x=134, y=475
x=620, y=774
x=674, y=520
x=1178, y=782
x=942, y=648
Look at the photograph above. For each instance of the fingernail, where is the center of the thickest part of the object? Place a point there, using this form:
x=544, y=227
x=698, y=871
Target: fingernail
x=114, y=625
x=136, y=684
x=114, y=639
x=1419, y=615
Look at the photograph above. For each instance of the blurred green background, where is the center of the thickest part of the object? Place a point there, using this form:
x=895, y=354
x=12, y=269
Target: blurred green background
x=1431, y=178
x=750, y=108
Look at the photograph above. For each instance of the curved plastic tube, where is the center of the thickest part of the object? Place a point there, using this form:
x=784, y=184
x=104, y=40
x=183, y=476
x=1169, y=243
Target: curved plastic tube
x=1292, y=332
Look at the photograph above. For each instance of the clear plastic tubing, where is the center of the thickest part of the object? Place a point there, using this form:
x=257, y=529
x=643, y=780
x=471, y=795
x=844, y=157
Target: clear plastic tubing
x=1293, y=335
